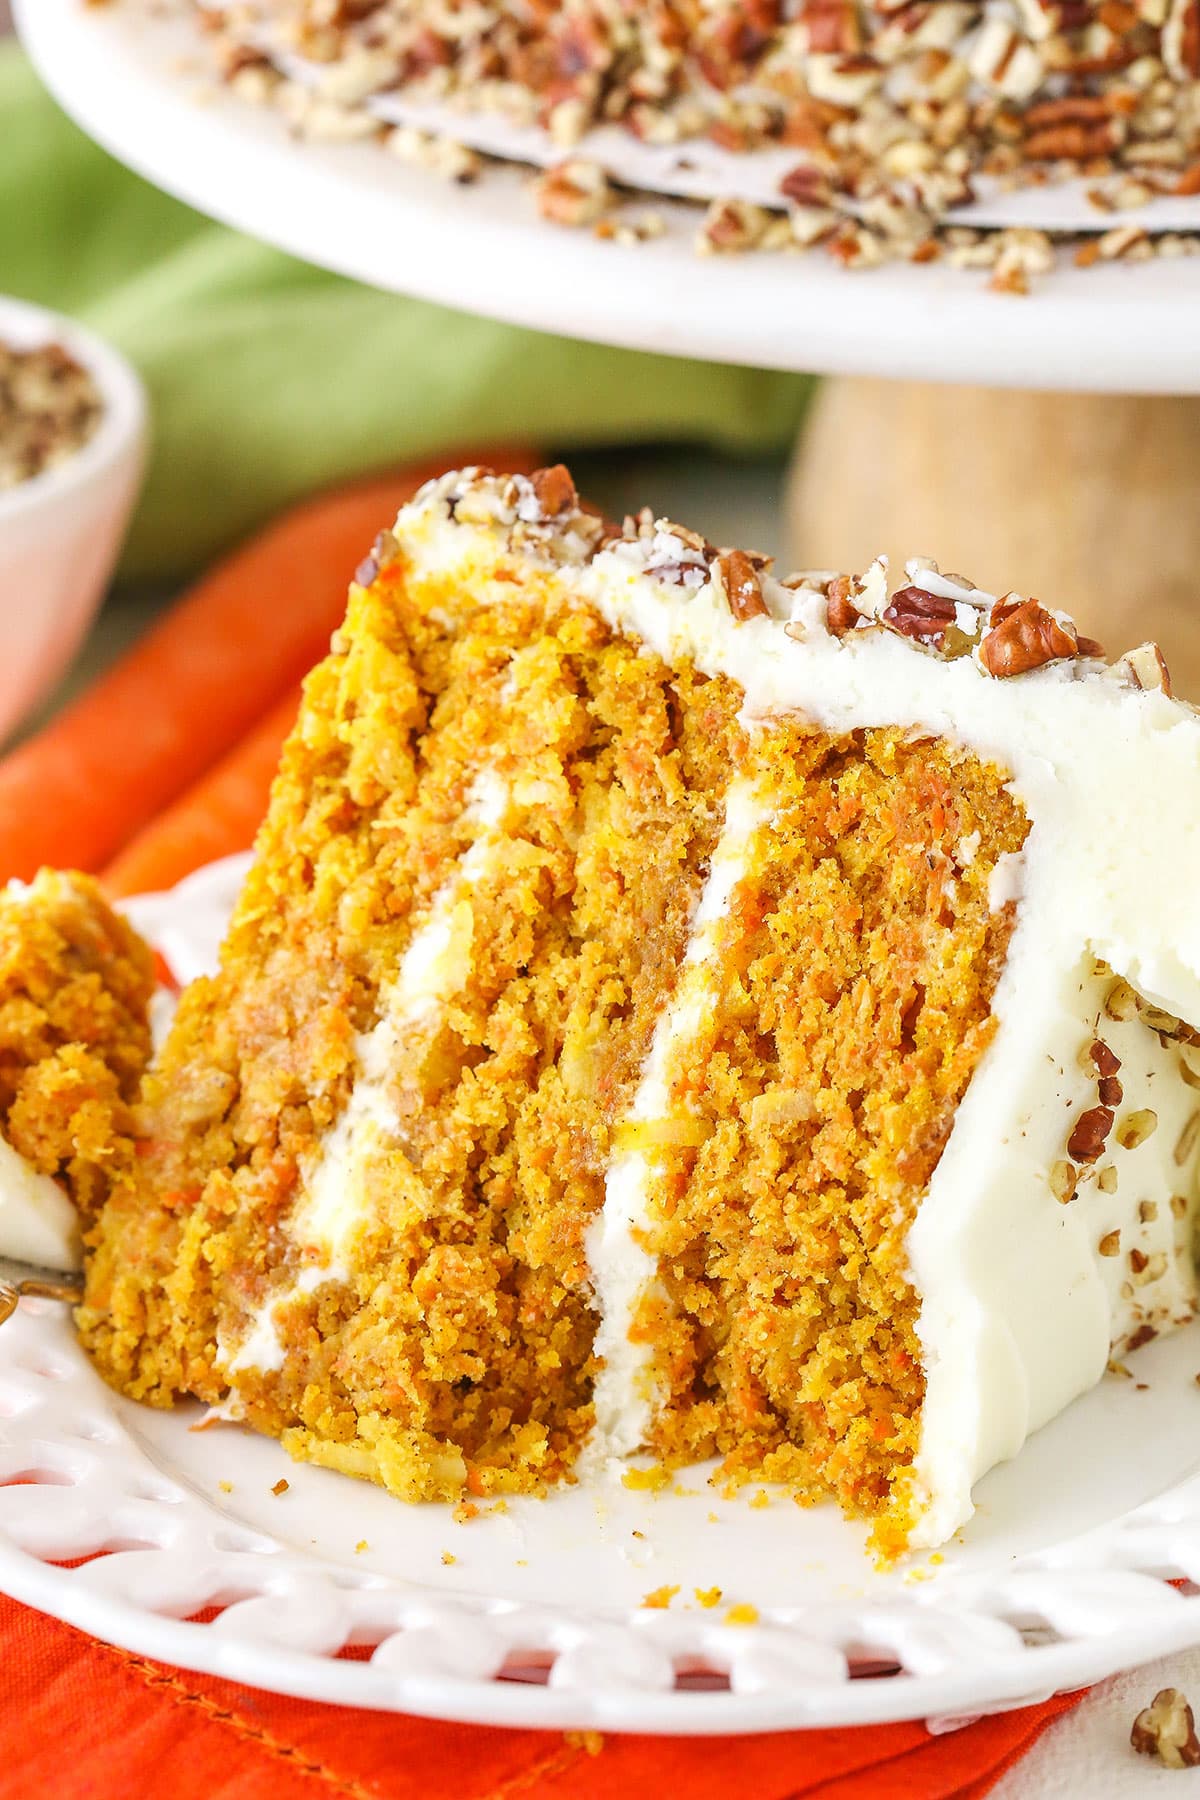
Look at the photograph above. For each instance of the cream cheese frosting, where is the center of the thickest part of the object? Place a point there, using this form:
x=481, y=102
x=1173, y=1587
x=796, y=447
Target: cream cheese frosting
x=1021, y=1308
x=38, y=1224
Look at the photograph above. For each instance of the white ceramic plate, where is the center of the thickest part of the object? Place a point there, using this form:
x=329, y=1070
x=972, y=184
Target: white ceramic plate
x=534, y=1614
x=135, y=77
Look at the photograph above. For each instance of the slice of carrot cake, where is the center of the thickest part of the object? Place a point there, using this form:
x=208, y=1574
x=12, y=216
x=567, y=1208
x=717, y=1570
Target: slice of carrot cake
x=678, y=1011
x=75, y=989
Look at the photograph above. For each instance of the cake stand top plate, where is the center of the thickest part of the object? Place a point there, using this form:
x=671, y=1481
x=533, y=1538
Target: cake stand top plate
x=136, y=79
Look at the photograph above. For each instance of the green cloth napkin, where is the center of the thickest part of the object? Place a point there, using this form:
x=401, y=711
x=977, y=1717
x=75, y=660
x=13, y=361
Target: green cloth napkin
x=270, y=379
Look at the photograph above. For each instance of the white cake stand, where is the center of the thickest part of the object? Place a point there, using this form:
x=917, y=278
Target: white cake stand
x=136, y=79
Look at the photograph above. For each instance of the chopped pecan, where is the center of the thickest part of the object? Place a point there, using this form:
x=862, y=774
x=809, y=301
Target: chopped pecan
x=1073, y=143
x=1137, y=1127
x=693, y=539
x=1072, y=109
x=1025, y=639
x=1104, y=1060
x=832, y=26
x=1167, y=1729
x=914, y=613
x=841, y=614
x=1090, y=1135
x=574, y=193
x=1147, y=669
x=1145, y=1334
x=806, y=185
x=555, y=490
x=383, y=552
x=1181, y=40
x=732, y=225
x=235, y=59
x=1064, y=1179
x=743, y=589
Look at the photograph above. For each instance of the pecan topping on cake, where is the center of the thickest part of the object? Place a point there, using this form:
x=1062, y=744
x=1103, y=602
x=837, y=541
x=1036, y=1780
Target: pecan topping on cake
x=743, y=588
x=1026, y=637
x=1090, y=1135
x=555, y=491
x=891, y=108
x=841, y=613
x=914, y=613
x=1146, y=668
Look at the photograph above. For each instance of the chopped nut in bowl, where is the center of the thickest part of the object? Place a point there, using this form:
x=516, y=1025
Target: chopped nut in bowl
x=72, y=441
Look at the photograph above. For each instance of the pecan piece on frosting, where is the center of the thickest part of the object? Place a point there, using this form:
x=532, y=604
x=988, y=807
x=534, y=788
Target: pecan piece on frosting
x=1090, y=1135
x=915, y=613
x=743, y=589
x=555, y=491
x=1024, y=638
x=383, y=551
x=1167, y=1729
x=841, y=614
x=1146, y=669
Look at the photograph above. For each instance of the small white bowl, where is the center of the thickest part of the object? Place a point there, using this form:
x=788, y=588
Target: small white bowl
x=61, y=532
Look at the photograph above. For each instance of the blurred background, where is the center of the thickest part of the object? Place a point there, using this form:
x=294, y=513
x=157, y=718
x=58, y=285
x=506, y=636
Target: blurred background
x=269, y=381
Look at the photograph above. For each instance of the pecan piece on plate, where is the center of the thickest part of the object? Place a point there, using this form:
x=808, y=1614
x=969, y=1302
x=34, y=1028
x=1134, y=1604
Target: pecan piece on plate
x=1167, y=1729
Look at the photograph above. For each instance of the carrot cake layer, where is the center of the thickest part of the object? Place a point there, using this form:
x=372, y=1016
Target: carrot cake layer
x=676, y=1011
x=75, y=989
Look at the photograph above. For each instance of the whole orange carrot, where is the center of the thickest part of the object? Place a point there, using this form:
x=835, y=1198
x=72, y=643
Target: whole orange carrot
x=198, y=681
x=218, y=815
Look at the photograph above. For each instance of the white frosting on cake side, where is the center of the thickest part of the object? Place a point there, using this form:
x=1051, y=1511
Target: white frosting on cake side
x=1020, y=1307
x=38, y=1224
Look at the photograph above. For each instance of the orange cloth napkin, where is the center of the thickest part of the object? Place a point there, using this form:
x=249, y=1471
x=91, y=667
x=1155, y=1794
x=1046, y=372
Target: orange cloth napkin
x=164, y=765
x=85, y=1721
